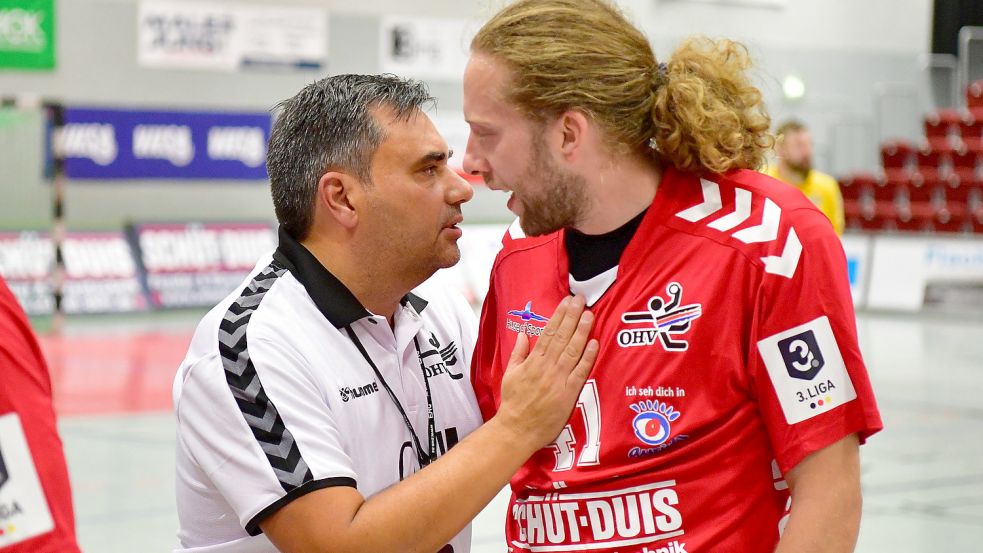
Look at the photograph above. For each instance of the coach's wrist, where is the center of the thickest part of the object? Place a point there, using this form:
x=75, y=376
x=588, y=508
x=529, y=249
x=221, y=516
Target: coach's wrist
x=514, y=436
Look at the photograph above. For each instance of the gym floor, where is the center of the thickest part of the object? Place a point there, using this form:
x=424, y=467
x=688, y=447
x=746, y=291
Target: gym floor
x=922, y=476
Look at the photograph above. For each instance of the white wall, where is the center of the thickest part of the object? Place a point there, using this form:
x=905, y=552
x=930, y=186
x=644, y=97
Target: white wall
x=869, y=25
x=842, y=49
x=873, y=25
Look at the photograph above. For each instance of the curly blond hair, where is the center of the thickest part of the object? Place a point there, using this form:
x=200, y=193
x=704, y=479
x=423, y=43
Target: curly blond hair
x=698, y=112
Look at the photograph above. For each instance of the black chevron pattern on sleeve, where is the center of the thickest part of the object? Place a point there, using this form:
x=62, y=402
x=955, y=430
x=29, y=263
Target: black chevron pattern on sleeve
x=261, y=415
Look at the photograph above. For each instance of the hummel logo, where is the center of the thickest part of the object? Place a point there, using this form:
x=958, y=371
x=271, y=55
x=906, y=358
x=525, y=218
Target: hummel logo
x=348, y=393
x=766, y=231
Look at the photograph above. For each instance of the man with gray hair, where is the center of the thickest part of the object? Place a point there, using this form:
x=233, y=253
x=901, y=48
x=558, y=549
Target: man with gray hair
x=324, y=404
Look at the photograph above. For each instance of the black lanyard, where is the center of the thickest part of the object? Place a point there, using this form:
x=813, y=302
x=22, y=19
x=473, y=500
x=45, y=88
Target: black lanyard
x=424, y=458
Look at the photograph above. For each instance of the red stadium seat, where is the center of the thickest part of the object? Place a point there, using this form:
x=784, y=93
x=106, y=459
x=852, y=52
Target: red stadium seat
x=918, y=204
x=869, y=203
x=948, y=222
x=934, y=162
x=860, y=179
x=857, y=185
x=853, y=209
x=965, y=163
x=912, y=223
x=851, y=193
x=976, y=223
x=964, y=197
x=853, y=223
x=971, y=130
x=873, y=223
x=887, y=193
x=922, y=191
x=974, y=94
x=942, y=127
x=897, y=154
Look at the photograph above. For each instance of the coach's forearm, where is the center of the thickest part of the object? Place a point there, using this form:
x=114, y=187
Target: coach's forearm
x=419, y=514
x=425, y=511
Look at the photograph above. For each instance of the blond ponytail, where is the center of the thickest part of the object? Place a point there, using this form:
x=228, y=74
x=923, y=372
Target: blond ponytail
x=702, y=111
x=707, y=115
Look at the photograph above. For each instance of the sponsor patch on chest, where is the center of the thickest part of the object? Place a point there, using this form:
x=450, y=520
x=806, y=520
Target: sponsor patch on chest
x=526, y=321
x=626, y=519
x=653, y=427
x=807, y=370
x=662, y=321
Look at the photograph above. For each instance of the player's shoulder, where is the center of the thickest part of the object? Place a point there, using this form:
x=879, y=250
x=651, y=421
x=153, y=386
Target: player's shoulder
x=515, y=243
x=764, y=187
x=763, y=218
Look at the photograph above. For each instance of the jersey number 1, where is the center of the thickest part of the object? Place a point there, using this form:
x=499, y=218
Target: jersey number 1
x=564, y=444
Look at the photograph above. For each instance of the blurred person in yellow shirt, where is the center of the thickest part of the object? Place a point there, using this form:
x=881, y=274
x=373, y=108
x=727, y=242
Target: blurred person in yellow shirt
x=794, y=166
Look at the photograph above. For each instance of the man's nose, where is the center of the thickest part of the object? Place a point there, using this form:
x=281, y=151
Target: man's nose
x=460, y=190
x=473, y=163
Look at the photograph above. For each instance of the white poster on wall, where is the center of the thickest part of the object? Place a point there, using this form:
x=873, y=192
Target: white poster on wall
x=955, y=261
x=283, y=37
x=903, y=267
x=425, y=47
x=745, y=3
x=227, y=37
x=897, y=274
x=857, y=250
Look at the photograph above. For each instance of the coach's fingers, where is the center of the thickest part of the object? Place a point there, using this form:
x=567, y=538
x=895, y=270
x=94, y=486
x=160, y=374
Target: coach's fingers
x=549, y=331
x=520, y=351
x=574, y=349
x=580, y=372
x=566, y=329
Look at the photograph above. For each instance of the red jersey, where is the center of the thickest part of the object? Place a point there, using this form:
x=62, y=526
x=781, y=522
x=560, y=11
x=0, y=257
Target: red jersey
x=35, y=497
x=728, y=354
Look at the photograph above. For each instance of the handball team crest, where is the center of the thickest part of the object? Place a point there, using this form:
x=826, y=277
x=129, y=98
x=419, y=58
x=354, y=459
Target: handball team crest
x=663, y=320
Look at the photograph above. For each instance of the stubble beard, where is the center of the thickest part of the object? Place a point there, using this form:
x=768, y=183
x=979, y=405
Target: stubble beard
x=801, y=169
x=561, y=201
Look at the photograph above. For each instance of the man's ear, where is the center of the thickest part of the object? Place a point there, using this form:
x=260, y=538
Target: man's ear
x=338, y=194
x=780, y=144
x=573, y=128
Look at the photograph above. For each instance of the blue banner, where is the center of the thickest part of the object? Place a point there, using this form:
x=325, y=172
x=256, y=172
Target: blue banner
x=123, y=144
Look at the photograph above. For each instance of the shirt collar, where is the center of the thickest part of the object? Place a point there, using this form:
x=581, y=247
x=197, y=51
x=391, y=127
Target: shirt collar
x=332, y=298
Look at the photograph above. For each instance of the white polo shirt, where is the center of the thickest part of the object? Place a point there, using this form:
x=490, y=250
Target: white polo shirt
x=275, y=400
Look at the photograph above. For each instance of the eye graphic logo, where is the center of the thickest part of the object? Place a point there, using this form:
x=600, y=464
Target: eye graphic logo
x=653, y=422
x=802, y=356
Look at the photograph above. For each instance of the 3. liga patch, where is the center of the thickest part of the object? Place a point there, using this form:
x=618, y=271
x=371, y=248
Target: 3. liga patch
x=807, y=370
x=23, y=509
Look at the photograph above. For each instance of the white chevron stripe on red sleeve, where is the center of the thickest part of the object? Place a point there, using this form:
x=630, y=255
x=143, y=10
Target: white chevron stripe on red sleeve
x=785, y=264
x=742, y=210
x=711, y=203
x=767, y=230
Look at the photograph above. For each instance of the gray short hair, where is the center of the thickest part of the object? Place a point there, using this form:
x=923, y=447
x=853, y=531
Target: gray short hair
x=329, y=126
